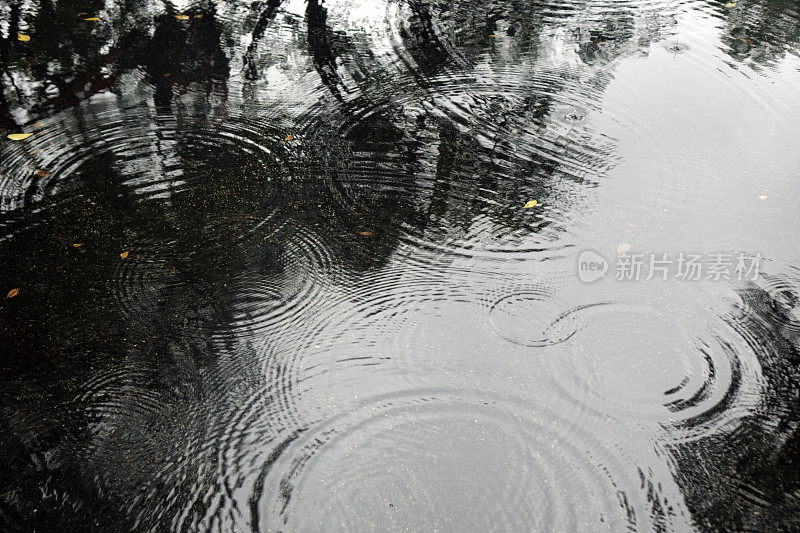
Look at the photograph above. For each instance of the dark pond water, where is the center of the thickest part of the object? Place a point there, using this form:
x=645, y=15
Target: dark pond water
x=400, y=265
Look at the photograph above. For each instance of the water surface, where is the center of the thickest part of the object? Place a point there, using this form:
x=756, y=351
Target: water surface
x=269, y=265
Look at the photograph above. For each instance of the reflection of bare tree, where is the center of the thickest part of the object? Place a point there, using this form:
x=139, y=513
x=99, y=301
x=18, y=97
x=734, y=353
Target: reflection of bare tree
x=762, y=32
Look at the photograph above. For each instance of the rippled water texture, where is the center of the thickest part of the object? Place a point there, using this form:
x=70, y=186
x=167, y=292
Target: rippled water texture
x=303, y=265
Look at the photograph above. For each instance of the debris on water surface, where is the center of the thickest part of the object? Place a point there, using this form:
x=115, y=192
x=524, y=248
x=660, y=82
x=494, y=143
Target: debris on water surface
x=19, y=136
x=124, y=254
x=22, y=37
x=12, y=293
x=532, y=203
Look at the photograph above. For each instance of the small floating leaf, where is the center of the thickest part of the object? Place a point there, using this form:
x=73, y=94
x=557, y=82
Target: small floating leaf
x=730, y=4
x=181, y=17
x=289, y=137
x=623, y=248
x=199, y=16
x=762, y=197
x=78, y=244
x=23, y=38
x=365, y=233
x=532, y=203
x=12, y=293
x=42, y=173
x=19, y=136
x=124, y=254
x=92, y=18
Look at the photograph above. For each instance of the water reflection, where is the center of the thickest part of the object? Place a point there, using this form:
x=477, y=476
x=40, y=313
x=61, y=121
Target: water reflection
x=275, y=268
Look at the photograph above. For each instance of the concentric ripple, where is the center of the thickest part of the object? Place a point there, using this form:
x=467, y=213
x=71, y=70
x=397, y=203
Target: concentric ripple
x=436, y=459
x=532, y=318
x=691, y=375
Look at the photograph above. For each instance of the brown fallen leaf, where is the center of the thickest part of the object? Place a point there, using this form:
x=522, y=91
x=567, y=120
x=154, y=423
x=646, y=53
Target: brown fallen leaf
x=19, y=136
x=124, y=254
x=23, y=38
x=289, y=137
x=365, y=233
x=12, y=293
x=42, y=173
x=532, y=203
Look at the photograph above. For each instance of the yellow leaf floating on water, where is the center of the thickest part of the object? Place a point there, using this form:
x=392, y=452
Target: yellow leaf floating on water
x=730, y=4
x=19, y=136
x=12, y=293
x=181, y=17
x=623, y=248
x=124, y=254
x=23, y=38
x=532, y=203
x=78, y=244
x=92, y=18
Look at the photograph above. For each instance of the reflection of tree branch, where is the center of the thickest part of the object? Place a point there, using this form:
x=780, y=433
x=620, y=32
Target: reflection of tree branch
x=6, y=120
x=250, y=69
x=434, y=53
x=11, y=81
x=89, y=82
x=319, y=42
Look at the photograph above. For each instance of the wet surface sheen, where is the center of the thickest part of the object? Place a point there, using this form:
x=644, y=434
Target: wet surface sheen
x=268, y=265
